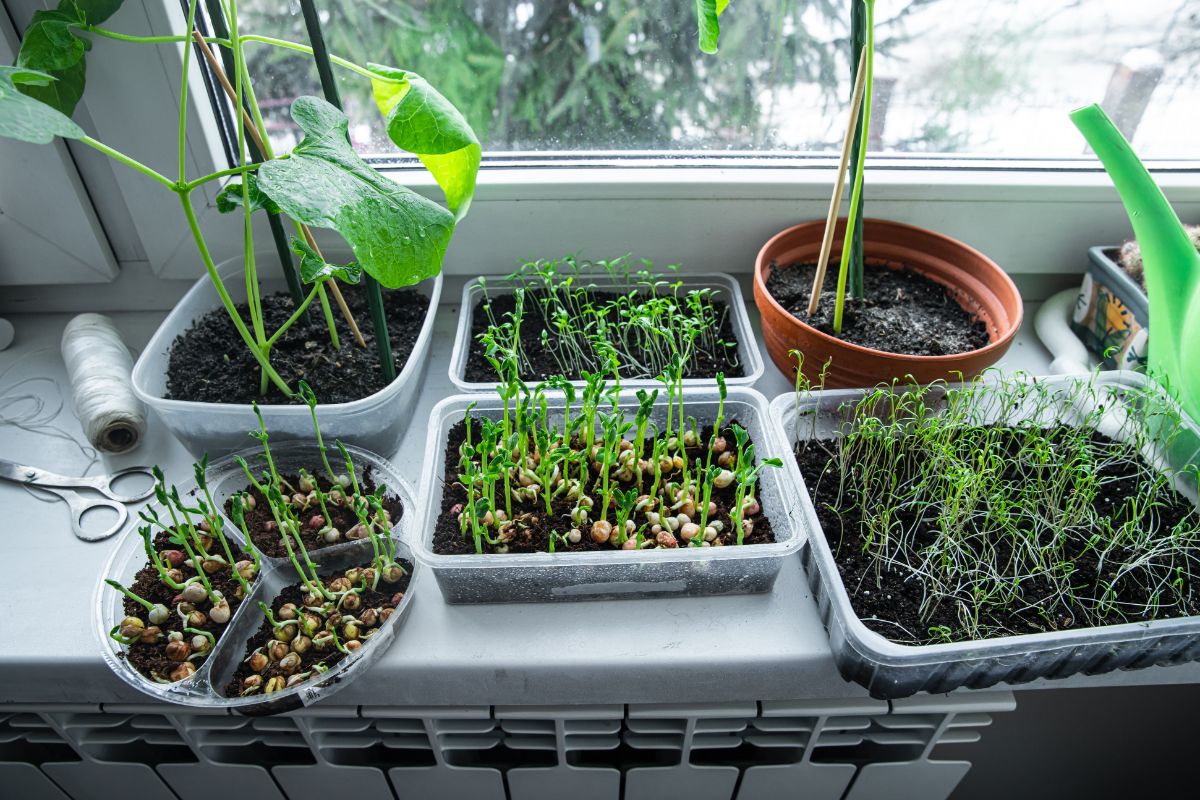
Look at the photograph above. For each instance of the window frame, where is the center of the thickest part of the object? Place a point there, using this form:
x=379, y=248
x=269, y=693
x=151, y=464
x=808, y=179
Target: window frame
x=654, y=205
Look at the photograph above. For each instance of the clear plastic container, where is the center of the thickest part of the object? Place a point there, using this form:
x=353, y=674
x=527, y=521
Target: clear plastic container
x=219, y=428
x=536, y=577
x=726, y=287
x=203, y=689
x=890, y=670
x=226, y=478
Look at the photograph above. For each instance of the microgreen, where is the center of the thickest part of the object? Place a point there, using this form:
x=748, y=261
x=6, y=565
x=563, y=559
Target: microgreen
x=613, y=473
x=1015, y=505
x=639, y=331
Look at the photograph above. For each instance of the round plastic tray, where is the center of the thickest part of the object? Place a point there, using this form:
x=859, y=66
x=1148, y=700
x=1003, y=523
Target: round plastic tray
x=203, y=689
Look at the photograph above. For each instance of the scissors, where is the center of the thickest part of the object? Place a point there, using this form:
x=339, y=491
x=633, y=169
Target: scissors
x=62, y=485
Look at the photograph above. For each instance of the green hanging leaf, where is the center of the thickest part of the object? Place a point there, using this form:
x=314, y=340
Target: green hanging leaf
x=423, y=122
x=63, y=93
x=707, y=12
x=230, y=198
x=97, y=11
x=52, y=45
x=25, y=118
x=313, y=268
x=398, y=236
x=49, y=43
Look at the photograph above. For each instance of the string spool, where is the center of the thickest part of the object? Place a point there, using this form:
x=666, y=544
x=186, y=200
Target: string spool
x=99, y=368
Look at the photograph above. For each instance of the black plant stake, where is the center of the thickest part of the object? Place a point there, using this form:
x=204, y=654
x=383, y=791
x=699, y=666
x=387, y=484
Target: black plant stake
x=221, y=31
x=329, y=87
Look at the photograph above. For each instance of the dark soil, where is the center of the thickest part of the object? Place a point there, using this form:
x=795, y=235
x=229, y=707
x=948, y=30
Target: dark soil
x=387, y=596
x=264, y=533
x=896, y=598
x=478, y=370
x=902, y=312
x=535, y=537
x=210, y=363
x=150, y=659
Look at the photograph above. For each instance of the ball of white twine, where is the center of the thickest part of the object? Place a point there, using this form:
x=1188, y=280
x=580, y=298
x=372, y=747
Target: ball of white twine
x=99, y=368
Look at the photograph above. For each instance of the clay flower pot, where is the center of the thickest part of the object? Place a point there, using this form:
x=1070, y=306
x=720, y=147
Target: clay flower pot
x=973, y=279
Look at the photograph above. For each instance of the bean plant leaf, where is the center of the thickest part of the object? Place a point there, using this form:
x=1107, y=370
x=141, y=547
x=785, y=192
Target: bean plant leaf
x=25, y=118
x=51, y=44
x=313, y=268
x=398, y=236
x=230, y=198
x=423, y=122
x=707, y=12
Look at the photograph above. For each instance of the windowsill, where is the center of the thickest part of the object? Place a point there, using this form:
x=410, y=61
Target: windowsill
x=536, y=653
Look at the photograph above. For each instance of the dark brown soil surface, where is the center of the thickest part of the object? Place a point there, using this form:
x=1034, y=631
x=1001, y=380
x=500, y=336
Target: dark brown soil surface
x=387, y=596
x=150, y=659
x=535, y=538
x=210, y=363
x=896, y=598
x=264, y=533
x=478, y=370
x=902, y=312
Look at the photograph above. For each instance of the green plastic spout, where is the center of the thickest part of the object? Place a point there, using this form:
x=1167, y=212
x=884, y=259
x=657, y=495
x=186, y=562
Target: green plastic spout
x=1171, y=261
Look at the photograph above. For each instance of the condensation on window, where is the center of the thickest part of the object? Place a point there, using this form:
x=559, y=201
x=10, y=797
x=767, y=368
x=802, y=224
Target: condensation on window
x=992, y=78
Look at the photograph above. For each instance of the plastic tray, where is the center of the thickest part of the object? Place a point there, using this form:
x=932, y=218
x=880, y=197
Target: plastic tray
x=889, y=670
x=220, y=428
x=226, y=478
x=535, y=577
x=728, y=288
x=203, y=689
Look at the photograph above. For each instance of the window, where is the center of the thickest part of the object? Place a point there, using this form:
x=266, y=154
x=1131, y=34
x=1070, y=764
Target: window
x=990, y=78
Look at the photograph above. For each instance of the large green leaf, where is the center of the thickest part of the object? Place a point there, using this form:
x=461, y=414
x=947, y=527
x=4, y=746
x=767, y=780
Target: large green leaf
x=25, y=118
x=707, y=12
x=52, y=45
x=96, y=11
x=230, y=197
x=313, y=268
x=61, y=94
x=49, y=43
x=423, y=122
x=398, y=236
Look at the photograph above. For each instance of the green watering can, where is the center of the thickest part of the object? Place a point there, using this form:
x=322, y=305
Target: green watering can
x=1171, y=260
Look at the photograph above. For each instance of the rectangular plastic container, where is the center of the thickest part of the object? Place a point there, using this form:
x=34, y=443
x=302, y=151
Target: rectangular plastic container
x=537, y=577
x=220, y=428
x=726, y=286
x=889, y=670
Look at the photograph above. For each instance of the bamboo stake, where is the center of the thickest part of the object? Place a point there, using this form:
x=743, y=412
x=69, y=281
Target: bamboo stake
x=252, y=129
x=838, y=187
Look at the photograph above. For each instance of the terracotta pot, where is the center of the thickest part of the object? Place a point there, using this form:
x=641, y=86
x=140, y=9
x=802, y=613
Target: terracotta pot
x=974, y=280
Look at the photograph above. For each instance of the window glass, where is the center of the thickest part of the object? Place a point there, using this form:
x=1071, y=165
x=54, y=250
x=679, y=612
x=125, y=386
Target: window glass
x=992, y=78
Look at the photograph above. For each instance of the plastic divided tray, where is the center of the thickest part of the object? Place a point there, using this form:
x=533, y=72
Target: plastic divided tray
x=890, y=670
x=533, y=577
x=727, y=290
x=202, y=689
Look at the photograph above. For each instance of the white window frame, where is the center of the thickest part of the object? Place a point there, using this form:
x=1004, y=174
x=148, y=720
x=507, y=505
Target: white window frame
x=707, y=212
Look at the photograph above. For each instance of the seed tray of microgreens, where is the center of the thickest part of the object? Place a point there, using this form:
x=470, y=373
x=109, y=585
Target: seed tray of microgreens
x=591, y=478
x=322, y=502
x=969, y=513
x=194, y=579
x=554, y=318
x=318, y=621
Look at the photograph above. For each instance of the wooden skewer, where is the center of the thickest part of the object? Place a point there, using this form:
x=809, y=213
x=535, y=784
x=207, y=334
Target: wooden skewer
x=252, y=129
x=836, y=201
